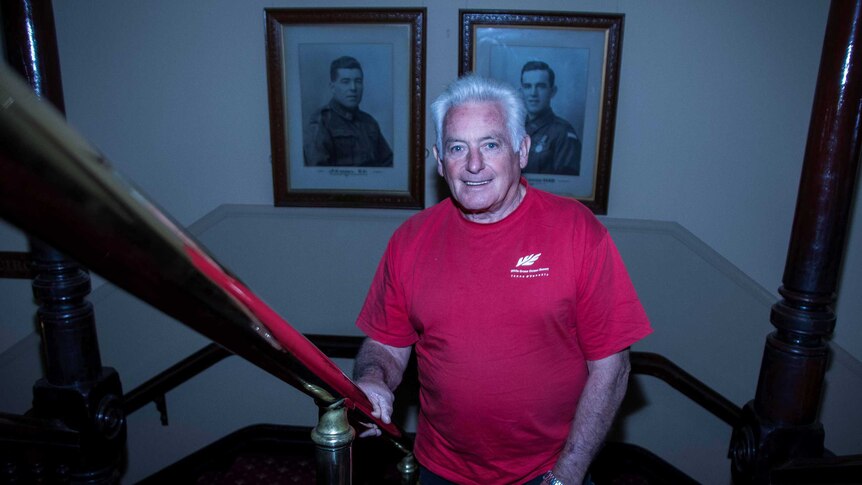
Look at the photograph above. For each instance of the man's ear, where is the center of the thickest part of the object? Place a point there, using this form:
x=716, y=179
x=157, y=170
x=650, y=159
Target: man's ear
x=524, y=151
x=439, y=160
x=554, y=91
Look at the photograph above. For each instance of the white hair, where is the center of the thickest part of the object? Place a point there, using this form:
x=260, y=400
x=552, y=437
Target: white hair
x=472, y=88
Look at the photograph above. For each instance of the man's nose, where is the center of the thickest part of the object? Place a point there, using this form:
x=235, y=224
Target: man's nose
x=475, y=161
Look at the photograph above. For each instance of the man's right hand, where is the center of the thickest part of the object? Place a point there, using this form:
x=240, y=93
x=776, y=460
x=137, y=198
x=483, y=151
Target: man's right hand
x=382, y=399
x=377, y=371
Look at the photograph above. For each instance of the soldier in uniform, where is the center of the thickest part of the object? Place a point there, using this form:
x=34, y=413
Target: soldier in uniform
x=556, y=148
x=340, y=134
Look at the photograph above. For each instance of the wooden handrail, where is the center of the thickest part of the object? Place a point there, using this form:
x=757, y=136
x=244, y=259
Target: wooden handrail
x=173, y=377
x=342, y=346
x=658, y=366
x=56, y=184
x=333, y=346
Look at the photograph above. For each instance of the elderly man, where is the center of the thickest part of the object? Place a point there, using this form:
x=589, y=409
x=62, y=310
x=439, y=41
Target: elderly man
x=555, y=147
x=340, y=134
x=517, y=303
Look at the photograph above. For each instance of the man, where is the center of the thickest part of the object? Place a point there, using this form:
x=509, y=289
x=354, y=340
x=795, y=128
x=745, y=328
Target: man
x=555, y=147
x=517, y=303
x=340, y=134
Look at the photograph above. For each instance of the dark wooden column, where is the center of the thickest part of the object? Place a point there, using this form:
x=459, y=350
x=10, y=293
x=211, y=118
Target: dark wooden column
x=31, y=46
x=76, y=389
x=781, y=423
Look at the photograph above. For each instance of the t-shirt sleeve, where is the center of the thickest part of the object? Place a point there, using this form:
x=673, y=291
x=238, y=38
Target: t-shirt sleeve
x=610, y=316
x=384, y=315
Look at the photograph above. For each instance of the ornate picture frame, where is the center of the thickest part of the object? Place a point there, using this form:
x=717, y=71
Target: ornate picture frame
x=346, y=94
x=567, y=67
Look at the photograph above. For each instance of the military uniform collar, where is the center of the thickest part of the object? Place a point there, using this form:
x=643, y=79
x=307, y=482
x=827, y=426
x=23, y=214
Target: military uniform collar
x=543, y=119
x=346, y=113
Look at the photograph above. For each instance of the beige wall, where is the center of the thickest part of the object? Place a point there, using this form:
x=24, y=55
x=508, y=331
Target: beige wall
x=713, y=112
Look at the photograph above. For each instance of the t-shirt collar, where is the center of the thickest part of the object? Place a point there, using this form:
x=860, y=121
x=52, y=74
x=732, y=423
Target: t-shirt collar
x=515, y=214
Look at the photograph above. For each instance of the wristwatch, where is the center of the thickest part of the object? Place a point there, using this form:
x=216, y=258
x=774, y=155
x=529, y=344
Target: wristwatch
x=550, y=479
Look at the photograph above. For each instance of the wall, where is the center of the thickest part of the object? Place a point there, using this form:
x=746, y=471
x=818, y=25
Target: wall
x=713, y=112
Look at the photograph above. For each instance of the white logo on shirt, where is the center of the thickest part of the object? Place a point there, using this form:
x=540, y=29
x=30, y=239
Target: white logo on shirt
x=529, y=260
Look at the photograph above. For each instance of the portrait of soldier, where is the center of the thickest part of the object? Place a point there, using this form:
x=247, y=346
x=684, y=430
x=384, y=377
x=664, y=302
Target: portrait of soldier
x=339, y=133
x=555, y=146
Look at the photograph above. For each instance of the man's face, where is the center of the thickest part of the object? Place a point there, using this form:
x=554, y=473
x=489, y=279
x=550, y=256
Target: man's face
x=347, y=87
x=537, y=90
x=478, y=162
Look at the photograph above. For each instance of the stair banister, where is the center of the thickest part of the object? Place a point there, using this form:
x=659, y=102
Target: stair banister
x=56, y=184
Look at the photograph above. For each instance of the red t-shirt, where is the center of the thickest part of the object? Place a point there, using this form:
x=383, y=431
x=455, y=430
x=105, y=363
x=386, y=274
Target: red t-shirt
x=502, y=316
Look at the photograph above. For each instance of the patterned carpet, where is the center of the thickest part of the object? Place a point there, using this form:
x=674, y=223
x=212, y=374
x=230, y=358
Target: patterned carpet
x=268, y=454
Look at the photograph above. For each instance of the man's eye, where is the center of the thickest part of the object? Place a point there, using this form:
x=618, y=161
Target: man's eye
x=493, y=145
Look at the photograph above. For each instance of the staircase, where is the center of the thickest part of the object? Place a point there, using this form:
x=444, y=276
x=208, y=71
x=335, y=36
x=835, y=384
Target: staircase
x=270, y=454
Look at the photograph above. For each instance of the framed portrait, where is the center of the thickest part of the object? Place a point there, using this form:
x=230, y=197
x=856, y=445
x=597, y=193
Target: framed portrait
x=566, y=66
x=346, y=106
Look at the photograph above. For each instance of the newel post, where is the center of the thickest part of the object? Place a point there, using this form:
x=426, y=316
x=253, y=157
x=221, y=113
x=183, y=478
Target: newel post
x=76, y=390
x=781, y=423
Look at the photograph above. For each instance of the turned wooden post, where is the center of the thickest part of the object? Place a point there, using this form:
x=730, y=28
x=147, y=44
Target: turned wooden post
x=76, y=389
x=781, y=424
